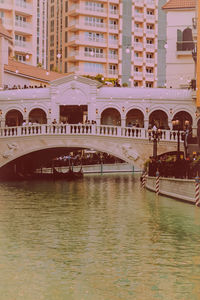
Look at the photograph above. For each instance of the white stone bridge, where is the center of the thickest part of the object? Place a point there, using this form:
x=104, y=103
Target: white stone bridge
x=130, y=144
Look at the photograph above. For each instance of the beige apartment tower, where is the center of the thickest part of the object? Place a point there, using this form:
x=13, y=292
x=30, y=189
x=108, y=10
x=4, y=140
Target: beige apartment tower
x=115, y=38
x=26, y=21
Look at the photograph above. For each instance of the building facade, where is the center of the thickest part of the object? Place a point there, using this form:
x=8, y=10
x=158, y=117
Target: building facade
x=180, y=66
x=26, y=22
x=115, y=38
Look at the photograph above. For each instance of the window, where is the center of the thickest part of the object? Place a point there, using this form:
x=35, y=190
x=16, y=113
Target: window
x=94, y=6
x=150, y=26
x=51, y=40
x=93, y=52
x=66, y=6
x=66, y=37
x=93, y=36
x=150, y=12
x=93, y=21
x=149, y=70
x=51, y=54
x=149, y=84
x=52, y=11
x=113, y=53
x=20, y=57
x=149, y=41
x=66, y=21
x=93, y=68
x=66, y=67
x=66, y=52
x=149, y=55
x=185, y=40
x=52, y=26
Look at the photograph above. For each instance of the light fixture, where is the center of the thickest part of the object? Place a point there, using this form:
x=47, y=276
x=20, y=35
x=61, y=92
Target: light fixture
x=123, y=109
x=16, y=71
x=47, y=73
x=58, y=55
x=25, y=109
x=0, y=111
x=27, y=56
x=147, y=109
x=170, y=110
x=49, y=110
x=127, y=50
x=97, y=111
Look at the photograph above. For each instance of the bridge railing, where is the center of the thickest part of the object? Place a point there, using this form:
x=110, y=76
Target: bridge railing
x=86, y=129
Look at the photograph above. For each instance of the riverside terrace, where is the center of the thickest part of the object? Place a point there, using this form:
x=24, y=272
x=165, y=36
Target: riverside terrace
x=75, y=99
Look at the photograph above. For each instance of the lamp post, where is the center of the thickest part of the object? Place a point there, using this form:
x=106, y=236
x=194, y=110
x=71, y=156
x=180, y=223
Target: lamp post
x=186, y=133
x=177, y=124
x=155, y=135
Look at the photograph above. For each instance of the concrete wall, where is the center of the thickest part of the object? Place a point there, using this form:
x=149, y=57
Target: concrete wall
x=180, y=189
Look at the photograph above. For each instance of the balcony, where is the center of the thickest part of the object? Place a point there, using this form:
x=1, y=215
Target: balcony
x=137, y=75
x=150, y=47
x=23, y=26
x=138, y=46
x=114, y=12
x=112, y=72
x=139, y=3
x=7, y=23
x=96, y=25
x=113, y=43
x=23, y=46
x=113, y=56
x=80, y=40
x=113, y=27
x=138, y=16
x=151, y=3
x=150, y=18
x=138, y=31
x=7, y=4
x=22, y=6
x=150, y=61
x=138, y=61
x=150, y=32
x=185, y=47
x=149, y=76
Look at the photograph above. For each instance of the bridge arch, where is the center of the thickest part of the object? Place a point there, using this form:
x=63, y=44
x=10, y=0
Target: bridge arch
x=111, y=116
x=182, y=116
x=159, y=118
x=37, y=115
x=135, y=117
x=13, y=117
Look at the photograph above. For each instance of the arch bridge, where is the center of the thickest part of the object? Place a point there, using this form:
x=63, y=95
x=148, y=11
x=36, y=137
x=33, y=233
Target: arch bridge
x=129, y=144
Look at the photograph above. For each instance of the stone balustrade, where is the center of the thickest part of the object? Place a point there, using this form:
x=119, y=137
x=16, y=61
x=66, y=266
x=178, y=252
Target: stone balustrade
x=86, y=129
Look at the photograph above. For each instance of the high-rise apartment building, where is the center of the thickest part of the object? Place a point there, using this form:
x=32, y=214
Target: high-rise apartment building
x=25, y=20
x=115, y=38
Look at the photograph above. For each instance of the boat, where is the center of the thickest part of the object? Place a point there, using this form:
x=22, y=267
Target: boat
x=69, y=175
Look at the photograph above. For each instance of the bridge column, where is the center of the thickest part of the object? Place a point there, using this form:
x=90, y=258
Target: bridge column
x=194, y=128
x=3, y=122
x=170, y=124
x=98, y=120
x=123, y=122
x=146, y=123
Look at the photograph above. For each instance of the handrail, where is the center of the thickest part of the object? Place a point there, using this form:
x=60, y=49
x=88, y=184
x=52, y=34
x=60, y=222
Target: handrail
x=84, y=129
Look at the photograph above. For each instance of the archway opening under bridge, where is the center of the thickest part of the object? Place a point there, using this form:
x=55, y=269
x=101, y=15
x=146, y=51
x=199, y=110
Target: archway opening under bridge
x=25, y=166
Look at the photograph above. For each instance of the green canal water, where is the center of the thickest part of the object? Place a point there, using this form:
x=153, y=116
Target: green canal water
x=102, y=238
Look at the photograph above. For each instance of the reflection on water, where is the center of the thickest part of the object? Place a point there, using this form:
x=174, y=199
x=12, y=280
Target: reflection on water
x=103, y=238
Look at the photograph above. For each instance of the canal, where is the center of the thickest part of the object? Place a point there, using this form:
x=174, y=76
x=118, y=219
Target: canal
x=102, y=238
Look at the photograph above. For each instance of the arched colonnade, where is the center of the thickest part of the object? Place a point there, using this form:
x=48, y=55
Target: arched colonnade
x=108, y=116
